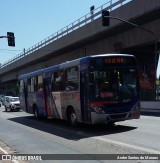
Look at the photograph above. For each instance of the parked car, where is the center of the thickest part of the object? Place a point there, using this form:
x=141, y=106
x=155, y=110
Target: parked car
x=4, y=100
x=12, y=104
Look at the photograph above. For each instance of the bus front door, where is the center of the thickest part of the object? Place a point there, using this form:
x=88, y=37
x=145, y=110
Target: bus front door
x=85, y=97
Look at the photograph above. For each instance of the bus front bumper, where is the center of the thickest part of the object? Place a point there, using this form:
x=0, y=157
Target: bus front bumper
x=104, y=118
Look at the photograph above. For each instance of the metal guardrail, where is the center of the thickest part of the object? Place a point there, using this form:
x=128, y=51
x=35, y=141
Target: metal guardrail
x=110, y=5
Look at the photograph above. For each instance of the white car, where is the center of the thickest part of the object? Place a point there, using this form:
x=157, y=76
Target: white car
x=12, y=104
x=4, y=100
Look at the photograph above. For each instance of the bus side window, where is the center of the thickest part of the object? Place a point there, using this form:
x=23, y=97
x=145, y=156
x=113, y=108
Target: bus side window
x=34, y=84
x=72, y=79
x=55, y=86
x=29, y=85
x=59, y=81
x=40, y=83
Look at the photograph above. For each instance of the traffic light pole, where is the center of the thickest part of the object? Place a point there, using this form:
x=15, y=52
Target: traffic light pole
x=10, y=37
x=155, y=42
x=3, y=36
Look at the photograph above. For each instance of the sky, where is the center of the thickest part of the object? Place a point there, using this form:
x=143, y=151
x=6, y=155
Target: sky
x=34, y=20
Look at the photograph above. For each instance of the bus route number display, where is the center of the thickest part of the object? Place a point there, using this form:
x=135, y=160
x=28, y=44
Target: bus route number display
x=116, y=60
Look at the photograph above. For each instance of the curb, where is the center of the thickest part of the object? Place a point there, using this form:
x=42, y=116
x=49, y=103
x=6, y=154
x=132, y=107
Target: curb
x=150, y=112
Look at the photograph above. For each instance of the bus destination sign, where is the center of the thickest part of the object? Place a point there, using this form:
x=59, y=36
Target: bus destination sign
x=114, y=60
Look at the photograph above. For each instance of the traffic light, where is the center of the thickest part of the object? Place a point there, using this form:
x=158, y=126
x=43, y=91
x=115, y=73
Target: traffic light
x=11, y=39
x=105, y=18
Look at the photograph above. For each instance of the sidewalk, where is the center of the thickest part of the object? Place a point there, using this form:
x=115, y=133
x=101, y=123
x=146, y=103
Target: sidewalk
x=150, y=108
x=5, y=150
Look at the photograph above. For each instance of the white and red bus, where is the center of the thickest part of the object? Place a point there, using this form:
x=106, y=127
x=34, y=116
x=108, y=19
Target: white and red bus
x=93, y=89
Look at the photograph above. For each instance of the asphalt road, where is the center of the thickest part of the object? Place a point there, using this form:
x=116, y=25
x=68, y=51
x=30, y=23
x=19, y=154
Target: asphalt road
x=26, y=135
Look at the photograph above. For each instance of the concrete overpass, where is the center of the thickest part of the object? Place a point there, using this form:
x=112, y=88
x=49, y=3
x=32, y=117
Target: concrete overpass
x=87, y=36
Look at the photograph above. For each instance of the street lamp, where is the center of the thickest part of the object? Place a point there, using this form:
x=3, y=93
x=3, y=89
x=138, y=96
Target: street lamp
x=92, y=12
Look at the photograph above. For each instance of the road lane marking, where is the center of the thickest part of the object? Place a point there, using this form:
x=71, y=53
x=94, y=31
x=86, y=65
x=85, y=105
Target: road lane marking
x=128, y=145
x=5, y=152
x=152, y=151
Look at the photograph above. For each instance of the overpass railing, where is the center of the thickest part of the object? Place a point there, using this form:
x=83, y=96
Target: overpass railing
x=95, y=14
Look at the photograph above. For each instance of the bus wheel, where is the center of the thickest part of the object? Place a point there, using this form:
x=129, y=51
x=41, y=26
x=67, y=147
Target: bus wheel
x=73, y=118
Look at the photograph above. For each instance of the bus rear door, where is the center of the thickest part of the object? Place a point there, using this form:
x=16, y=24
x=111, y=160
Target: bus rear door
x=49, y=101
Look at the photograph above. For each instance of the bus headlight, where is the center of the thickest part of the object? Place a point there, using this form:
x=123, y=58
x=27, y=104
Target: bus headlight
x=136, y=107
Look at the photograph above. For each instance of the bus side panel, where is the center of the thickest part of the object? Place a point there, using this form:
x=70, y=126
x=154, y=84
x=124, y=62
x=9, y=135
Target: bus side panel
x=63, y=100
x=40, y=101
x=57, y=110
x=50, y=106
x=37, y=99
x=72, y=98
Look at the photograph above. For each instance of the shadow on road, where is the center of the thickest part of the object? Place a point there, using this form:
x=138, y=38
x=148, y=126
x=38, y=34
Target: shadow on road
x=63, y=129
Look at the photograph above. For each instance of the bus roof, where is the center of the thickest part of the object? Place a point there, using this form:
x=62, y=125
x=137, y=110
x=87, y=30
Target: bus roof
x=112, y=54
x=39, y=72
x=72, y=62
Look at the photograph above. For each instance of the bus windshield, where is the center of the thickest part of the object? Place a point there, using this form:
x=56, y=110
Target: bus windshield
x=114, y=84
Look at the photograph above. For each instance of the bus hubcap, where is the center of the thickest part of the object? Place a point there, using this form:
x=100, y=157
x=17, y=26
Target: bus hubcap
x=73, y=118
